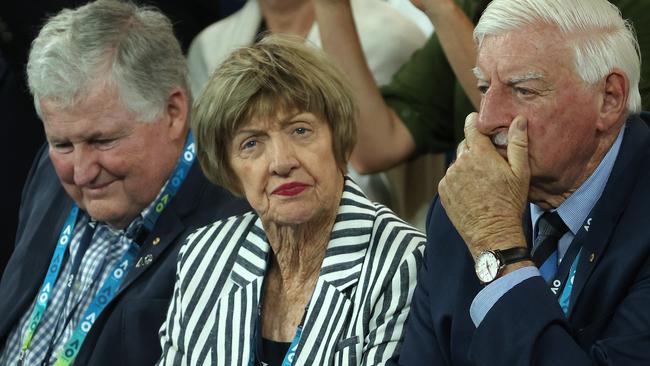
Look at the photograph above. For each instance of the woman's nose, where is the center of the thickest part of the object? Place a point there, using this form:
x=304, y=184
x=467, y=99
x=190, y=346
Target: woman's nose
x=283, y=158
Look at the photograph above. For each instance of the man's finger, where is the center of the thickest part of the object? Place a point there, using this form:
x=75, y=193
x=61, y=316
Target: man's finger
x=462, y=147
x=518, y=146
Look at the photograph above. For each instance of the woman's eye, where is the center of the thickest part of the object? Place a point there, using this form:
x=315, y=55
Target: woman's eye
x=302, y=131
x=482, y=89
x=249, y=144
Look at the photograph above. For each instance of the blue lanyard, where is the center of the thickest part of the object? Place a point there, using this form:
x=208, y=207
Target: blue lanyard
x=100, y=301
x=82, y=247
x=50, y=278
x=111, y=285
x=565, y=297
x=180, y=172
x=562, y=283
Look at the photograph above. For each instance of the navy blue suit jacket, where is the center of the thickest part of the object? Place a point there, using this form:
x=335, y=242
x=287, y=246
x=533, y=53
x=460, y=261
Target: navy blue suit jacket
x=126, y=333
x=609, y=320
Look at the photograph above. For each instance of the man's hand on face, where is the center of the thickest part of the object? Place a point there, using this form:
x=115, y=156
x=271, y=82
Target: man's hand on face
x=484, y=194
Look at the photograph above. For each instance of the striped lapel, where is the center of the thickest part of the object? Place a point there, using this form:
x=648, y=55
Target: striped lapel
x=330, y=308
x=236, y=310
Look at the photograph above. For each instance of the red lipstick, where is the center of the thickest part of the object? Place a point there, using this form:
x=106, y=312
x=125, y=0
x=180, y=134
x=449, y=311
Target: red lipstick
x=290, y=189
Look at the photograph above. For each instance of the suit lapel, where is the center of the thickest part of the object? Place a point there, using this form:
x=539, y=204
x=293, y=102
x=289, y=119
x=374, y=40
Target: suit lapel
x=327, y=316
x=164, y=236
x=169, y=227
x=236, y=311
x=330, y=308
x=595, y=234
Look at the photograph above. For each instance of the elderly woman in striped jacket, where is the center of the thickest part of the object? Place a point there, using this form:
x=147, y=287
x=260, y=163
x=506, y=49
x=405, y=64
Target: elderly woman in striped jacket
x=317, y=274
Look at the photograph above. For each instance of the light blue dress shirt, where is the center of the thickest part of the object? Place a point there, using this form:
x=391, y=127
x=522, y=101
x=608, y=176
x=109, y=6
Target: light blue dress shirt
x=573, y=211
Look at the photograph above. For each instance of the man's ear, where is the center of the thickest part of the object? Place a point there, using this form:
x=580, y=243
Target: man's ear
x=614, y=99
x=177, y=113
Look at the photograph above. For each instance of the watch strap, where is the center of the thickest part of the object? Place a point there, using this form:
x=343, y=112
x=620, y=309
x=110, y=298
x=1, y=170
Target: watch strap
x=513, y=255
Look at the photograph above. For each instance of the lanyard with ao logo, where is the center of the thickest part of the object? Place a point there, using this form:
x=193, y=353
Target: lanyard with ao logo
x=110, y=287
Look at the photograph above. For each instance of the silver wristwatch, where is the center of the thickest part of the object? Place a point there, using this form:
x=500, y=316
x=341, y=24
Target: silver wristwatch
x=490, y=263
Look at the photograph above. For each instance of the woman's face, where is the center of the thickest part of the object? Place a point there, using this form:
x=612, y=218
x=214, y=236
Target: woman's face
x=286, y=168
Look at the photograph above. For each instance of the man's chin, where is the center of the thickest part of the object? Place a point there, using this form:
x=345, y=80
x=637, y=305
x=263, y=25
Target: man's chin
x=104, y=211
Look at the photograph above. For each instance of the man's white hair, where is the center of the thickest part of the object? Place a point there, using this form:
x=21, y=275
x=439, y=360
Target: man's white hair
x=599, y=36
x=108, y=44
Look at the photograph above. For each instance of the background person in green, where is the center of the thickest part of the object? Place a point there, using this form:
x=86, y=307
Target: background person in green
x=424, y=107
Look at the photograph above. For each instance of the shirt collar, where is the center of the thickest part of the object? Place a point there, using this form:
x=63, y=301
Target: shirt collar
x=575, y=209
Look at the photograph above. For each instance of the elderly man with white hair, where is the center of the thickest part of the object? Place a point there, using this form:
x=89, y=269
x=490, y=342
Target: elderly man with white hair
x=538, y=246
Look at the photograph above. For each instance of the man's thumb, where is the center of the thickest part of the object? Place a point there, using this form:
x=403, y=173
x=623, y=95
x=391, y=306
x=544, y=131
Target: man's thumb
x=518, y=146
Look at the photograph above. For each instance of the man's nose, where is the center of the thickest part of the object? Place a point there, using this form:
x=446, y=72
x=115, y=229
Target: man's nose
x=283, y=157
x=497, y=111
x=86, y=167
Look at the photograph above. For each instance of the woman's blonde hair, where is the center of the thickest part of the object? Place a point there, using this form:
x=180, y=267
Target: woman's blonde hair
x=278, y=74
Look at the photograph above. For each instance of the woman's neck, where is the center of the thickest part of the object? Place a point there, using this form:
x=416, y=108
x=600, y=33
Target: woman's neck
x=294, y=17
x=298, y=250
x=298, y=253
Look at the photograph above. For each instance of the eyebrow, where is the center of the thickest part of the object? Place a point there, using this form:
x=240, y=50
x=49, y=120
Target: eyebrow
x=532, y=75
x=256, y=131
x=478, y=73
x=92, y=136
x=248, y=131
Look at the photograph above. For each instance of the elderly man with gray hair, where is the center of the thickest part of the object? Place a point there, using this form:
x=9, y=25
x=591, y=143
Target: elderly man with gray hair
x=110, y=197
x=538, y=247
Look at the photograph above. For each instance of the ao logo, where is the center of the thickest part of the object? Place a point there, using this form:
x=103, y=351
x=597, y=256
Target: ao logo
x=556, y=286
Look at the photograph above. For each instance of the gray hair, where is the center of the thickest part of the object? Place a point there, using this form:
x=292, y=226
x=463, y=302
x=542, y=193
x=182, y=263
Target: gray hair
x=117, y=43
x=599, y=36
x=277, y=74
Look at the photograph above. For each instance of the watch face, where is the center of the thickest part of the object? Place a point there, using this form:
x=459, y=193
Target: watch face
x=487, y=267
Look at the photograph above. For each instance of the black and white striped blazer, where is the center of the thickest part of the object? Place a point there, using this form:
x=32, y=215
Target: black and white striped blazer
x=356, y=314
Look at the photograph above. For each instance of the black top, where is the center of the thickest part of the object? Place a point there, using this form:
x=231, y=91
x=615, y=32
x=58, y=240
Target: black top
x=273, y=352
